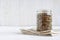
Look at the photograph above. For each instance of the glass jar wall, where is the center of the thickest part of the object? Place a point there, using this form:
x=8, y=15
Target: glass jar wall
x=44, y=20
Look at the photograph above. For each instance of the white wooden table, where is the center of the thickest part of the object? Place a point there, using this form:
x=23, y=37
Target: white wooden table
x=14, y=33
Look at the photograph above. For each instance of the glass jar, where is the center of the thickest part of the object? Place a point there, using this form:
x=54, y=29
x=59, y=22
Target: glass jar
x=44, y=20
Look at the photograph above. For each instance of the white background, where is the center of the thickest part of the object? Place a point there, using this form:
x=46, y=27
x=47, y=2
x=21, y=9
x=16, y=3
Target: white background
x=23, y=12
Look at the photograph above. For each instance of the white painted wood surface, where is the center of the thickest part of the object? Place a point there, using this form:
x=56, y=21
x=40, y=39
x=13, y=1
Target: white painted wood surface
x=14, y=33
